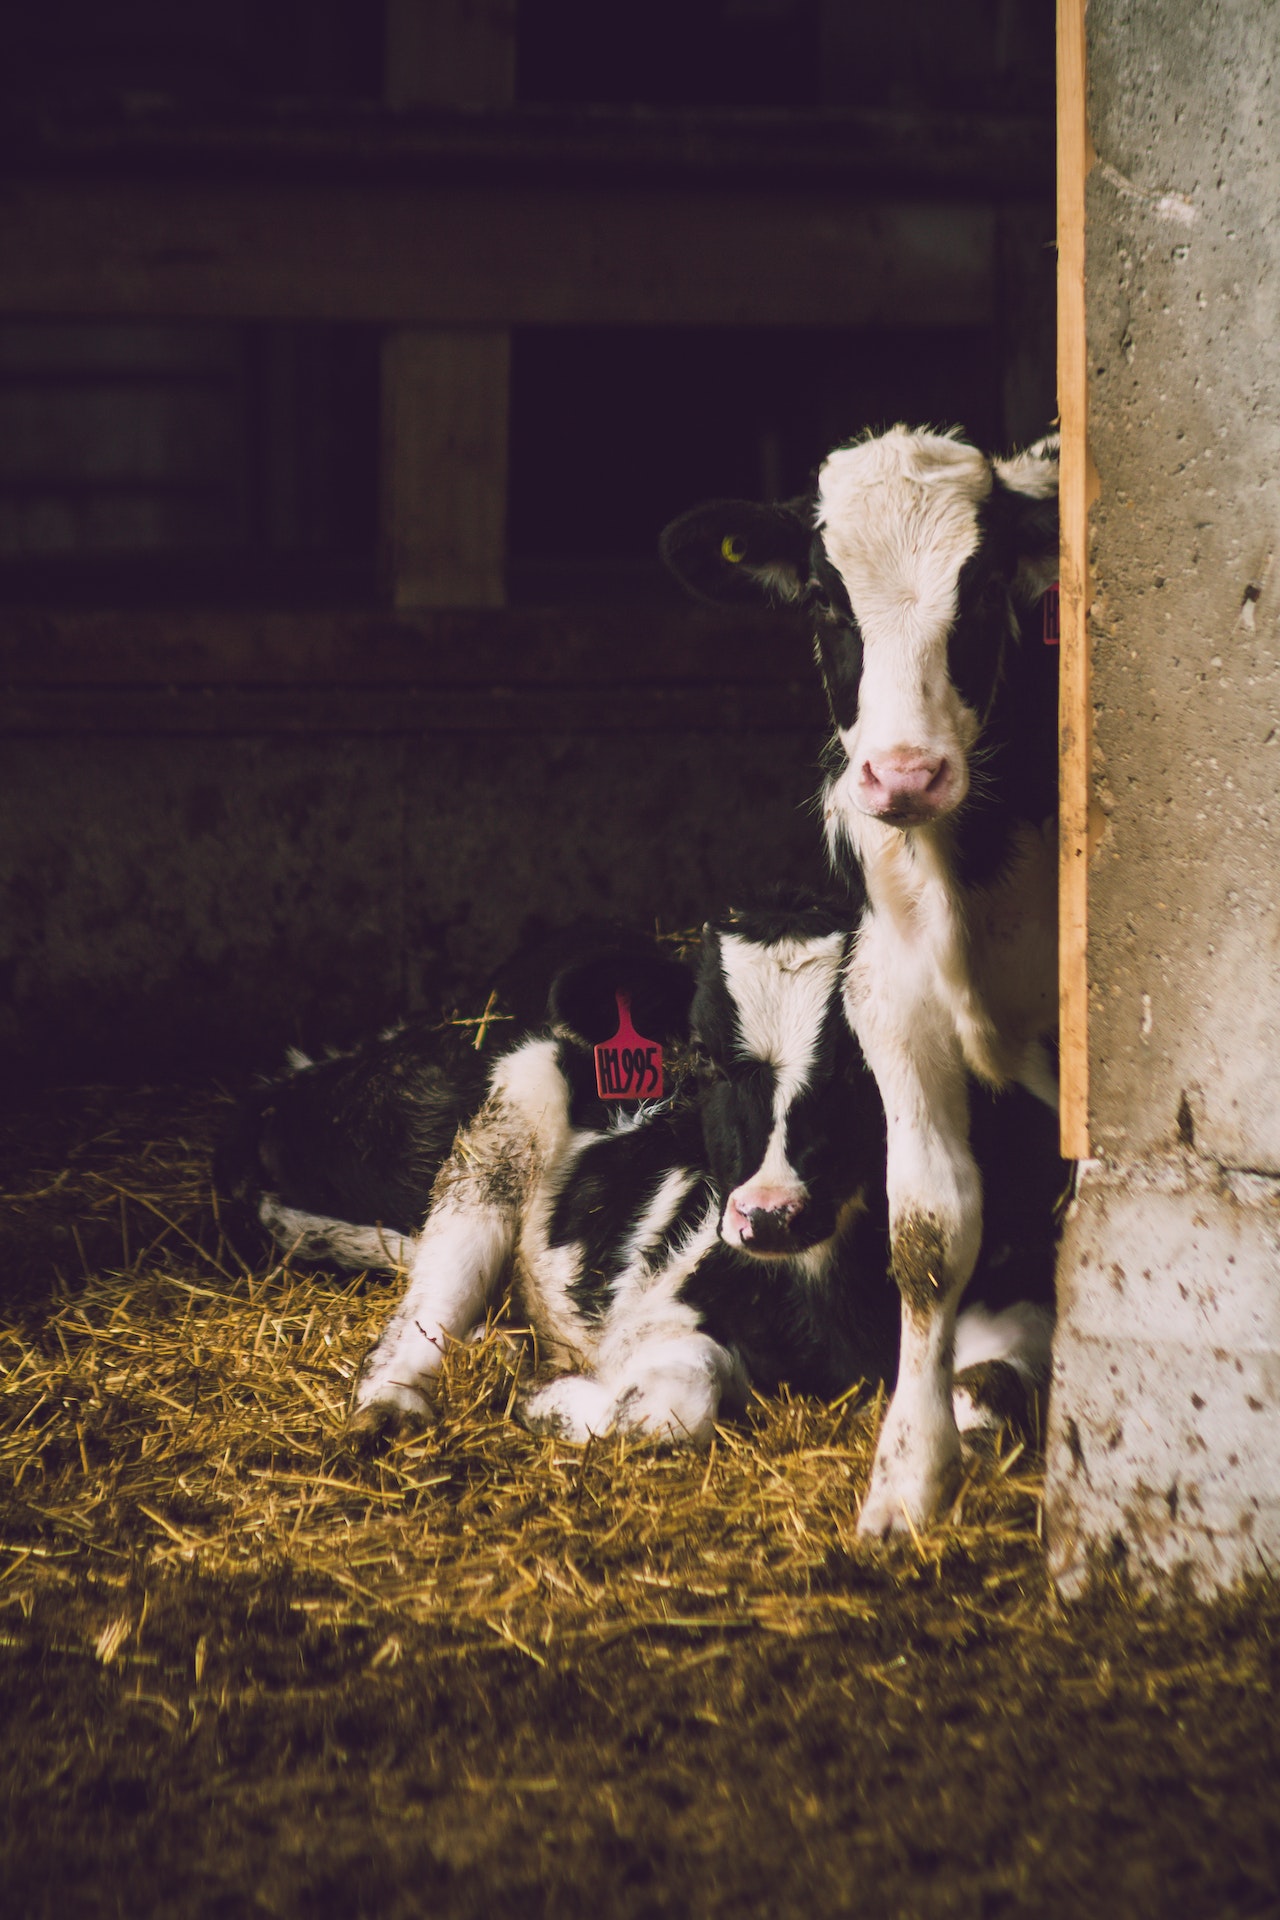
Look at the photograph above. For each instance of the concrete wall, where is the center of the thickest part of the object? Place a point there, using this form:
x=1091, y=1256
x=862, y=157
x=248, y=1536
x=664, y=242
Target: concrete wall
x=191, y=904
x=1166, y=1421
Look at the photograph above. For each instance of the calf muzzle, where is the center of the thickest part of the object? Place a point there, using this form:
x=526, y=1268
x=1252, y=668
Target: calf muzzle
x=907, y=788
x=763, y=1220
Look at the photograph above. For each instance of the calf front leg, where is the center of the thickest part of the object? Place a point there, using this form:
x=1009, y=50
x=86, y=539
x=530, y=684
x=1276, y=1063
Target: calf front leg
x=459, y=1258
x=935, y=1221
x=457, y=1263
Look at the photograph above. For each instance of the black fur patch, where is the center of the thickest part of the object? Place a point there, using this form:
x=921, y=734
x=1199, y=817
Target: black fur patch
x=583, y=995
x=819, y=1340
x=611, y=1183
x=837, y=638
x=359, y=1137
x=770, y=545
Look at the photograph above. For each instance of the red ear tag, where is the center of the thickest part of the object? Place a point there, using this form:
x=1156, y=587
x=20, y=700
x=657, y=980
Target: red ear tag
x=628, y=1067
x=1052, y=631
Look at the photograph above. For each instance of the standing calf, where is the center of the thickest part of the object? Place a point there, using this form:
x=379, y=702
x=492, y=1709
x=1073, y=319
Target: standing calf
x=923, y=564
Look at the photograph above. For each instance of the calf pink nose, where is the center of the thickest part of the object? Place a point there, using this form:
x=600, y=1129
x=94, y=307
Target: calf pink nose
x=757, y=1213
x=905, y=785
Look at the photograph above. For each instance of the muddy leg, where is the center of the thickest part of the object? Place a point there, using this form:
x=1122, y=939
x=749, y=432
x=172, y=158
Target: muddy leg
x=457, y=1263
x=935, y=1213
x=462, y=1252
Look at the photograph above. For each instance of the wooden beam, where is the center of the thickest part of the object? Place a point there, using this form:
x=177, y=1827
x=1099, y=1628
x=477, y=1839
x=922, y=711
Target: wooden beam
x=621, y=709
x=443, y=454
x=442, y=534
x=1077, y=485
x=450, y=53
x=538, y=670
x=940, y=155
x=680, y=645
x=399, y=253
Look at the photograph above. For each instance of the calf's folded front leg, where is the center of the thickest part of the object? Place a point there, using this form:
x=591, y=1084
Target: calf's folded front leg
x=668, y=1389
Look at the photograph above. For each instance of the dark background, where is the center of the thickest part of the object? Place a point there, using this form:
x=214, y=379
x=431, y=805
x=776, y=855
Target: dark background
x=258, y=785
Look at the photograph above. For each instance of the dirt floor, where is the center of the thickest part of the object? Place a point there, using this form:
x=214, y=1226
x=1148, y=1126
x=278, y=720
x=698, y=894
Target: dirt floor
x=245, y=1669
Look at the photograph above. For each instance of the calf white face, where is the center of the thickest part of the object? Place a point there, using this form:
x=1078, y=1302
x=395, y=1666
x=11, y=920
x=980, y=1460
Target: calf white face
x=792, y=1124
x=898, y=519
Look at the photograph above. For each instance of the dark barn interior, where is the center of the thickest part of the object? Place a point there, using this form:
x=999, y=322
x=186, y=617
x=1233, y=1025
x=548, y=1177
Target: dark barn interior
x=350, y=362
x=352, y=356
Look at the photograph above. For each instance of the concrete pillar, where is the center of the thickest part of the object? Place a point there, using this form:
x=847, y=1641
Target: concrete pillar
x=1164, y=1444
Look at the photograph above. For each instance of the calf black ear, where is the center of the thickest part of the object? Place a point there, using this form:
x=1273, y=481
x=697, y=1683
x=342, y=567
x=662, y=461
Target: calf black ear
x=584, y=995
x=737, y=551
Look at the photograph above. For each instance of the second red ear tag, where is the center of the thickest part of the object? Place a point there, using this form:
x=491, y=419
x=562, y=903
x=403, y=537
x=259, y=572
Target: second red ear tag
x=628, y=1067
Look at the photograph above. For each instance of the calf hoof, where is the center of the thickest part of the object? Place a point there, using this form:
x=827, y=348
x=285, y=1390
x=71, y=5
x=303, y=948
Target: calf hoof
x=571, y=1408
x=906, y=1494
x=378, y=1422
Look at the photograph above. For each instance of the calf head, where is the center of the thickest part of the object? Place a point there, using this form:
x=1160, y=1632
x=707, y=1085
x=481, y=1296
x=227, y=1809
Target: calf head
x=913, y=553
x=792, y=1123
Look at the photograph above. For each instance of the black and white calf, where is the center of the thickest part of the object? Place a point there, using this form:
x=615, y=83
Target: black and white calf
x=924, y=564
x=732, y=1234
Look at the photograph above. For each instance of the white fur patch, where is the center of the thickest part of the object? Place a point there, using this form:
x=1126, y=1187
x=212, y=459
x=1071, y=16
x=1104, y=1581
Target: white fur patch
x=1021, y=1336
x=1034, y=471
x=656, y=1218
x=918, y=1453
x=670, y=1389
x=317, y=1237
x=899, y=517
x=477, y=1202
x=529, y=1079
x=456, y=1266
x=781, y=993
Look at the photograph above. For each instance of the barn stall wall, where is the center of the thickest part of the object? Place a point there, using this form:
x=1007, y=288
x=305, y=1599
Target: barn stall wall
x=204, y=872
x=305, y=319
x=1165, y=1421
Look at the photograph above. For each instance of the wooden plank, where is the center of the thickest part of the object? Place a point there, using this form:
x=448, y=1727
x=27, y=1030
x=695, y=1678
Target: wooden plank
x=1001, y=157
x=681, y=645
x=446, y=396
x=397, y=253
x=1075, y=732
x=443, y=457
x=452, y=53
x=621, y=709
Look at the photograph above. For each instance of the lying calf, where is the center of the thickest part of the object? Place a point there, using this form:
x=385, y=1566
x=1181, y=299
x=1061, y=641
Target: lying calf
x=732, y=1234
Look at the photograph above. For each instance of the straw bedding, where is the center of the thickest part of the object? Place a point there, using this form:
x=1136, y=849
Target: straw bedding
x=245, y=1665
